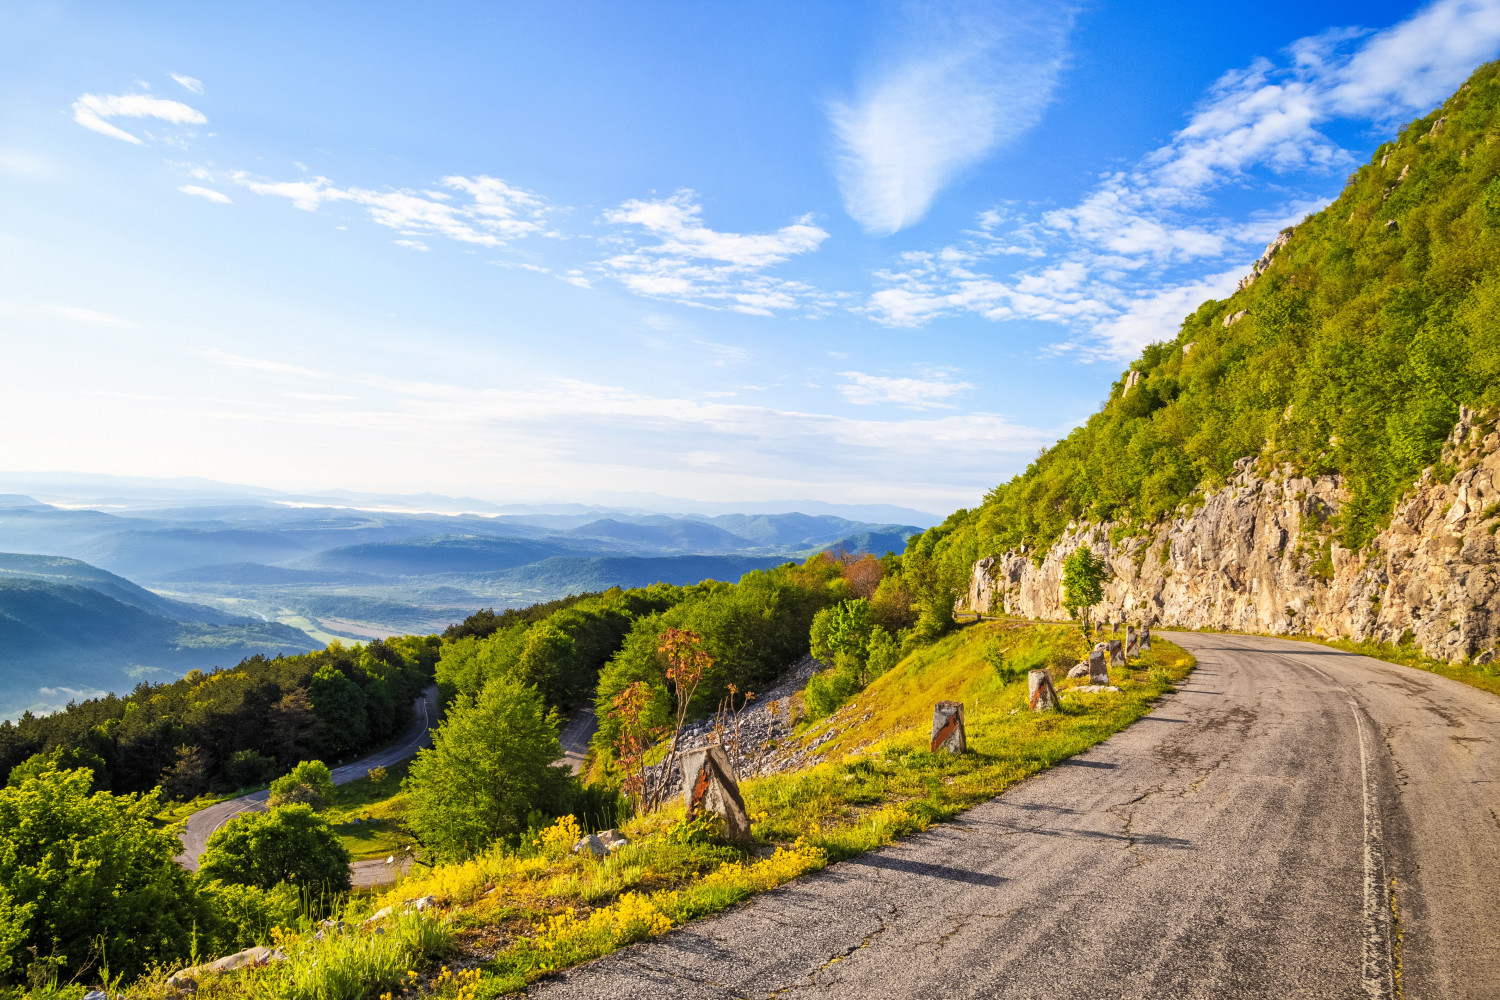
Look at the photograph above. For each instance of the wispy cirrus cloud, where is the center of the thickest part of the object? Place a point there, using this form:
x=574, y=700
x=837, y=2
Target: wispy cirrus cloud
x=1143, y=247
x=570, y=430
x=483, y=211
x=972, y=78
x=94, y=111
x=934, y=392
x=188, y=82
x=198, y=191
x=692, y=264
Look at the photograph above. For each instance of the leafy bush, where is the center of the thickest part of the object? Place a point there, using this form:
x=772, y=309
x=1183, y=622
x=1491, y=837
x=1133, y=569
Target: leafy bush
x=310, y=783
x=290, y=844
x=85, y=874
x=488, y=769
x=242, y=916
x=247, y=768
x=1083, y=580
x=827, y=690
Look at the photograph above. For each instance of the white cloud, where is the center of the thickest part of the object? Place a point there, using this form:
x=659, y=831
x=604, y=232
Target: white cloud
x=911, y=393
x=92, y=317
x=92, y=111
x=1143, y=247
x=571, y=428
x=695, y=265
x=969, y=82
x=412, y=245
x=191, y=83
x=203, y=192
x=493, y=214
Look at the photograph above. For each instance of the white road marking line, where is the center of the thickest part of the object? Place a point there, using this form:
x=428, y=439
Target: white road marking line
x=1377, y=971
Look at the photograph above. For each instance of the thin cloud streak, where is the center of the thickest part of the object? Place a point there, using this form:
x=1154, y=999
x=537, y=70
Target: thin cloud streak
x=978, y=78
x=92, y=111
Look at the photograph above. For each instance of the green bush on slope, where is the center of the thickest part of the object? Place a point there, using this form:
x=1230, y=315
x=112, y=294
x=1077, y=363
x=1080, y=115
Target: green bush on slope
x=1373, y=324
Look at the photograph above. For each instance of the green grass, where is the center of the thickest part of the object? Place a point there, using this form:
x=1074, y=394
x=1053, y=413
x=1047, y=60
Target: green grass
x=381, y=806
x=524, y=913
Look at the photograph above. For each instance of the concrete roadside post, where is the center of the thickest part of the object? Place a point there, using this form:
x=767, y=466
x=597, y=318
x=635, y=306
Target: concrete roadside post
x=1098, y=670
x=1041, y=692
x=1116, y=652
x=708, y=784
x=1145, y=636
x=948, y=731
x=1132, y=643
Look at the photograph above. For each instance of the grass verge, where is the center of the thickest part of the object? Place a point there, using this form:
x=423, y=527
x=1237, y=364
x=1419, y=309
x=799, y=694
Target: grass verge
x=522, y=914
x=368, y=815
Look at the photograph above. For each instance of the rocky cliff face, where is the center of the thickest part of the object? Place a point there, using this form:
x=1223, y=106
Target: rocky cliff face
x=1259, y=556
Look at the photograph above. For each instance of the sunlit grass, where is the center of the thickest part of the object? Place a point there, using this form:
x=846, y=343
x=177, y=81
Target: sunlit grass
x=529, y=912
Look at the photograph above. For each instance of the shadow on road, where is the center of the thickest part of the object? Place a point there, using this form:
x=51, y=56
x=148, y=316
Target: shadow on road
x=923, y=868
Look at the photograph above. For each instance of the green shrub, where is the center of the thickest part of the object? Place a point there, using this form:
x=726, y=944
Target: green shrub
x=82, y=871
x=288, y=844
x=247, y=768
x=488, y=769
x=310, y=783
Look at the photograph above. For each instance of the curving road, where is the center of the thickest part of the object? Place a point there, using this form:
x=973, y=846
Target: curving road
x=1240, y=841
x=204, y=822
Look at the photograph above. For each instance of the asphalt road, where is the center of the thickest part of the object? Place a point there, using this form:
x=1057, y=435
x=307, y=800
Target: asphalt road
x=204, y=822
x=575, y=736
x=1240, y=841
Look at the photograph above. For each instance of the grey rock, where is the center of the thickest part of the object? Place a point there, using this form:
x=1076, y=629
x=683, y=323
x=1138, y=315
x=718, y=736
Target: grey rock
x=592, y=844
x=1235, y=317
x=1081, y=670
x=613, y=840
x=1234, y=562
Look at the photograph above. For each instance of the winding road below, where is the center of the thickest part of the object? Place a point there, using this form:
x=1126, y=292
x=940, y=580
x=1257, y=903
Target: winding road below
x=1295, y=821
x=201, y=824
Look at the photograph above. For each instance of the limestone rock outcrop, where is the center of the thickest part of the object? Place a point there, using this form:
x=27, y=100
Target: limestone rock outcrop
x=1261, y=555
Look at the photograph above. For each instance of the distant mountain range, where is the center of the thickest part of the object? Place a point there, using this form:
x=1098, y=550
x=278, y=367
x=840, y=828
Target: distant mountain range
x=167, y=579
x=70, y=630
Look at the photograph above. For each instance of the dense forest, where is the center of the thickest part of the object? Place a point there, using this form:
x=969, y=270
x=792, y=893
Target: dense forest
x=238, y=726
x=1350, y=353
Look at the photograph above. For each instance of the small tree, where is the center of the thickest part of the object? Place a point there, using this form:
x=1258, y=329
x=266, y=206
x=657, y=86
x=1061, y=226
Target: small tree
x=290, y=844
x=1083, y=580
x=489, y=767
x=687, y=662
x=310, y=783
x=636, y=737
x=82, y=872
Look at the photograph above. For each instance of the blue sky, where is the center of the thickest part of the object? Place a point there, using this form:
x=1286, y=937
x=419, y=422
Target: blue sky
x=843, y=251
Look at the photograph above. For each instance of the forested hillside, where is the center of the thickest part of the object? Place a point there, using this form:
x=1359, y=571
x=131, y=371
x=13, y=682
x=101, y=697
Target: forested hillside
x=1349, y=352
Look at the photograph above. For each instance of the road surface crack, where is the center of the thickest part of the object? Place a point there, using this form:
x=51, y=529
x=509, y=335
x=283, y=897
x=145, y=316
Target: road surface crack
x=891, y=911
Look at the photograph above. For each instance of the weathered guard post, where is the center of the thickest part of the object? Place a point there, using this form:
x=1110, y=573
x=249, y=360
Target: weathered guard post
x=948, y=731
x=1116, y=652
x=708, y=784
x=1132, y=643
x=1042, y=693
x=1098, y=671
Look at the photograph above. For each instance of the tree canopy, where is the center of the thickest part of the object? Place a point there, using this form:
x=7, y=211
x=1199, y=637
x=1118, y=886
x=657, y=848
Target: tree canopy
x=290, y=844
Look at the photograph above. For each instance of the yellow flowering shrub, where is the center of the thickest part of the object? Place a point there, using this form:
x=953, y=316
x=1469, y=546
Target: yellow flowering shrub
x=559, y=838
x=630, y=918
x=786, y=864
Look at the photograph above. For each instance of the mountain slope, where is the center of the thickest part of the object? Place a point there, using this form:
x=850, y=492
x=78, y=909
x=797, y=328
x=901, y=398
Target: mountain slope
x=1347, y=352
x=68, y=629
x=55, y=569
